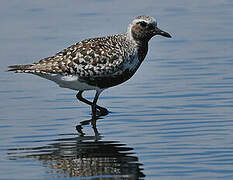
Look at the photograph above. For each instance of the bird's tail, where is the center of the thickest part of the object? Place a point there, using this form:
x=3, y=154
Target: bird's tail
x=21, y=68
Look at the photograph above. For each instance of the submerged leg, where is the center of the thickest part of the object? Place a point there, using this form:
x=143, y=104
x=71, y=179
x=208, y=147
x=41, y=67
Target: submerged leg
x=103, y=111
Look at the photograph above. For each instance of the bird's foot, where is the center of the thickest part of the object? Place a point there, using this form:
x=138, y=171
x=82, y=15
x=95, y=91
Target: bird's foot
x=101, y=111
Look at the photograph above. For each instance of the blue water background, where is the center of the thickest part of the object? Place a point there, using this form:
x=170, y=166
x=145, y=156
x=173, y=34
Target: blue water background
x=174, y=116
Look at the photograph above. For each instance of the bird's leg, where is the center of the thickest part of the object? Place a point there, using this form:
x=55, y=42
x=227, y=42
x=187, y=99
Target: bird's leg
x=93, y=107
x=79, y=128
x=103, y=111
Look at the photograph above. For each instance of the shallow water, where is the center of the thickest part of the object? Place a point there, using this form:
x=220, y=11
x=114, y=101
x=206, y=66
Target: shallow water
x=172, y=120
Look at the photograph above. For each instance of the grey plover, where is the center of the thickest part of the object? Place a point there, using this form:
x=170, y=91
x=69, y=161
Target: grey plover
x=98, y=63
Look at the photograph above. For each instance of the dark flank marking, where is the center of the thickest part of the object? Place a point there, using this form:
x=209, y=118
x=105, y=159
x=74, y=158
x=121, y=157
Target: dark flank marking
x=109, y=81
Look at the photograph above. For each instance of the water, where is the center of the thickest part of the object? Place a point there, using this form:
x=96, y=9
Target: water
x=172, y=120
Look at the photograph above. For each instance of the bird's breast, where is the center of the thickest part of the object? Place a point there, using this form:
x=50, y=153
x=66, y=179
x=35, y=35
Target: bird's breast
x=125, y=72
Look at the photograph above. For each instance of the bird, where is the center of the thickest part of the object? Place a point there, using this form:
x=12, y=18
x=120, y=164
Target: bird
x=98, y=63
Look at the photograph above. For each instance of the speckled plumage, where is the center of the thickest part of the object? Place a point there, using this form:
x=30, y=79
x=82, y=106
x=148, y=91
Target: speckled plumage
x=91, y=60
x=98, y=63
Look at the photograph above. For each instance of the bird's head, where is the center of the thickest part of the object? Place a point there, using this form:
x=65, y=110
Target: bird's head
x=143, y=28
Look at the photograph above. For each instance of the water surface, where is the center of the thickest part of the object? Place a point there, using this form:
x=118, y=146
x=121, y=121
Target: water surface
x=172, y=120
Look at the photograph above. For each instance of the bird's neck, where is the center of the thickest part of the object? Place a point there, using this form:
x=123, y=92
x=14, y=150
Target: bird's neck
x=140, y=44
x=142, y=50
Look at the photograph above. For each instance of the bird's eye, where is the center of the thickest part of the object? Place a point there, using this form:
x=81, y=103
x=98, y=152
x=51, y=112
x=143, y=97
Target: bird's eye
x=150, y=26
x=142, y=23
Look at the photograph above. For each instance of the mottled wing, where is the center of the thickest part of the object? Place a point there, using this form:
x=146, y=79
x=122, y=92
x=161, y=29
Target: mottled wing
x=89, y=58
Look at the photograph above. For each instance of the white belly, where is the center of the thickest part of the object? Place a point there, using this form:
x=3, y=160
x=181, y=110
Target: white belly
x=68, y=81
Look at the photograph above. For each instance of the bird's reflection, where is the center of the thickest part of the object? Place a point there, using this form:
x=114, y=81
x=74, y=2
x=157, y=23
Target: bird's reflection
x=79, y=127
x=84, y=156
